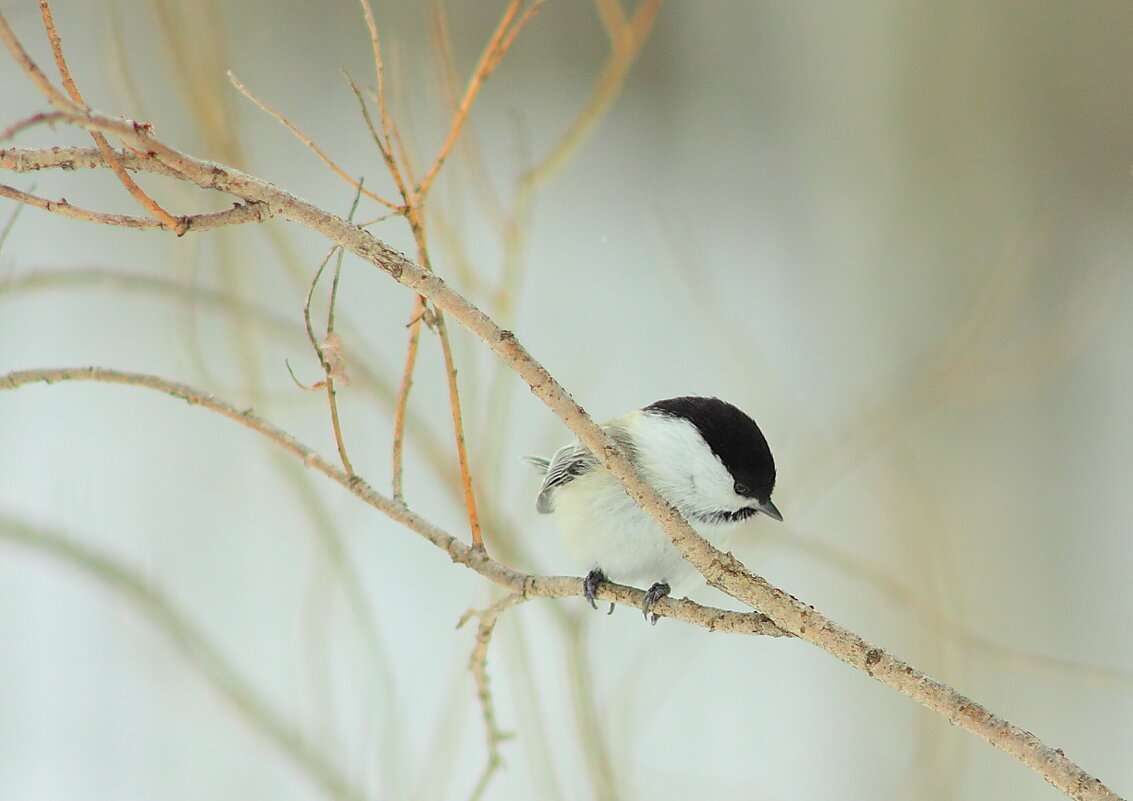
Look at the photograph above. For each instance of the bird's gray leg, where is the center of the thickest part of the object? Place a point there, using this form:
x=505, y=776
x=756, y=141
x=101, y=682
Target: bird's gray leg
x=656, y=593
x=590, y=584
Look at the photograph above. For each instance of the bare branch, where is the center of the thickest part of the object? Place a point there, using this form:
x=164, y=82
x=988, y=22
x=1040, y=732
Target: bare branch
x=389, y=128
x=526, y=585
x=458, y=433
x=23, y=159
x=32, y=70
x=302, y=137
x=401, y=407
x=501, y=40
x=43, y=118
x=401, y=171
x=721, y=570
x=329, y=370
x=168, y=220
x=478, y=665
x=240, y=213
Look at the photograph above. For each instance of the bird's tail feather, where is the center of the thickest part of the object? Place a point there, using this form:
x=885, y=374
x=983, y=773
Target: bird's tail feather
x=538, y=462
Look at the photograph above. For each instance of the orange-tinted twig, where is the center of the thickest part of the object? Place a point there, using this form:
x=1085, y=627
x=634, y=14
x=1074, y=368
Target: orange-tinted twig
x=41, y=81
x=435, y=319
x=395, y=154
x=402, y=405
x=487, y=202
x=385, y=142
x=167, y=219
x=458, y=434
x=505, y=33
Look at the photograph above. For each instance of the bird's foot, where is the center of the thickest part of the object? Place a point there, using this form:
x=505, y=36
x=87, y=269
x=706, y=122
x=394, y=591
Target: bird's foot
x=656, y=593
x=590, y=585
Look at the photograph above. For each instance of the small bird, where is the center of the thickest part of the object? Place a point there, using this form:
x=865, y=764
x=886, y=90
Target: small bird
x=703, y=455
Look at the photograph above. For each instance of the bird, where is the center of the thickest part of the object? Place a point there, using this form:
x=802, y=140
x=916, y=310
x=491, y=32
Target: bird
x=702, y=454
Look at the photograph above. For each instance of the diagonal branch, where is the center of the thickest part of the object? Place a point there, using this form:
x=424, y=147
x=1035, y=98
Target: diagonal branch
x=721, y=570
x=505, y=33
x=32, y=70
x=527, y=586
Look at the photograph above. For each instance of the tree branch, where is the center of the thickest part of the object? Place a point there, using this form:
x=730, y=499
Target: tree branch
x=523, y=584
x=178, y=225
x=238, y=214
x=721, y=570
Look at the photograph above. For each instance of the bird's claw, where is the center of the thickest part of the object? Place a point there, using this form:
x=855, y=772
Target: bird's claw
x=656, y=593
x=590, y=586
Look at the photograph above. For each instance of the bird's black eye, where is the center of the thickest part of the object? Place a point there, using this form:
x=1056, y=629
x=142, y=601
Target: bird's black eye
x=741, y=489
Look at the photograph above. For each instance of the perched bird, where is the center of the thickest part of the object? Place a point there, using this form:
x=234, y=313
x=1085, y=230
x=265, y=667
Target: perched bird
x=705, y=457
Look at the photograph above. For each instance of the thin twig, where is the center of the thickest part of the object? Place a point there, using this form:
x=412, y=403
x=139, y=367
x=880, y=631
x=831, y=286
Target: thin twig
x=478, y=666
x=328, y=381
x=32, y=70
x=383, y=148
x=237, y=215
x=487, y=202
x=168, y=220
x=333, y=354
x=42, y=118
x=302, y=137
x=401, y=171
x=57, y=51
x=458, y=434
x=501, y=39
x=394, y=165
x=401, y=406
x=389, y=127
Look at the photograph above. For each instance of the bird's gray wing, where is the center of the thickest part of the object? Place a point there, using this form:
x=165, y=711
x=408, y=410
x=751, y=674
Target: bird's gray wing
x=568, y=463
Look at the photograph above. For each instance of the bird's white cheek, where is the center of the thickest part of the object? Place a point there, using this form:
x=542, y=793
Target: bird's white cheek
x=711, y=492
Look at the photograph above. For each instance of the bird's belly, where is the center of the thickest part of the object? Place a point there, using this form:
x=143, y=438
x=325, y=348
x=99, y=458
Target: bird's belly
x=607, y=530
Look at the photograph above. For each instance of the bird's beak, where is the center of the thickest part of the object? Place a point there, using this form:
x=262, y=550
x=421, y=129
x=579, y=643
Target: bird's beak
x=769, y=509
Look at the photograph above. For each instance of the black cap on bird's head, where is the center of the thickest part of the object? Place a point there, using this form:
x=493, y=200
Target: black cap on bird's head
x=736, y=441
